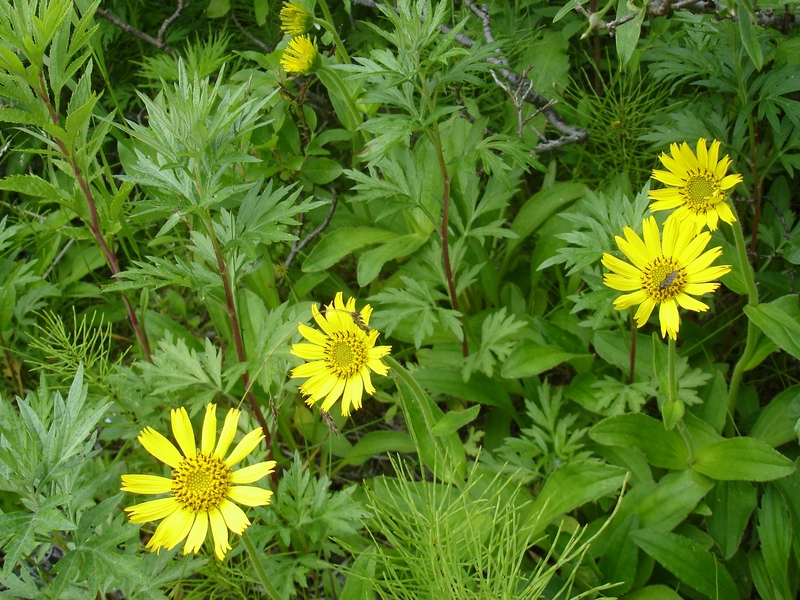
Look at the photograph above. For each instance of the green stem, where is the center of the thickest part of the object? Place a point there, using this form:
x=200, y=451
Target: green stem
x=327, y=23
x=256, y=561
x=752, y=330
x=672, y=379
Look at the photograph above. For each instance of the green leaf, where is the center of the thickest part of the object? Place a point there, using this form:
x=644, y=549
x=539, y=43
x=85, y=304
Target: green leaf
x=537, y=209
x=618, y=563
x=443, y=454
x=689, y=562
x=378, y=443
x=654, y=592
x=529, y=358
x=321, y=170
x=775, y=537
x=775, y=424
x=480, y=388
x=780, y=321
x=662, y=448
x=731, y=504
x=742, y=458
x=627, y=34
x=453, y=421
x=261, y=10
x=338, y=244
x=218, y=8
x=665, y=505
x=371, y=262
x=748, y=33
x=573, y=485
x=33, y=185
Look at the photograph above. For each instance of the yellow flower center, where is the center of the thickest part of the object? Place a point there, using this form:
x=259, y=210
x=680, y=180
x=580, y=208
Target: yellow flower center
x=663, y=279
x=701, y=191
x=201, y=483
x=345, y=354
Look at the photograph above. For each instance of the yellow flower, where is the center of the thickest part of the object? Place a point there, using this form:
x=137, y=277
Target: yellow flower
x=202, y=483
x=699, y=186
x=296, y=20
x=664, y=272
x=342, y=355
x=300, y=56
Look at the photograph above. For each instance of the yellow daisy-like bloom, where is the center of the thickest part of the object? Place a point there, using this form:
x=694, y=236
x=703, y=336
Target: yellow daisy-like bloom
x=202, y=483
x=699, y=186
x=295, y=20
x=664, y=272
x=301, y=56
x=342, y=355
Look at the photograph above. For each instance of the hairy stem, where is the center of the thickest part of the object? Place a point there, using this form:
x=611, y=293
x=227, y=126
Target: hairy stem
x=230, y=309
x=94, y=226
x=448, y=270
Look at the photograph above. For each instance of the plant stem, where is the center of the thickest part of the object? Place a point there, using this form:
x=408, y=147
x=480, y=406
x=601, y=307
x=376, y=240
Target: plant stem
x=451, y=284
x=752, y=330
x=259, y=568
x=327, y=24
x=94, y=227
x=230, y=308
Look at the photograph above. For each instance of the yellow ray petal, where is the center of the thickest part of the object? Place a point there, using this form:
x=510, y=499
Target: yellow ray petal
x=333, y=395
x=689, y=303
x=234, y=517
x=253, y=472
x=247, y=444
x=308, y=351
x=310, y=369
x=249, y=495
x=312, y=335
x=219, y=532
x=146, y=484
x=228, y=432
x=152, y=510
x=160, y=447
x=628, y=300
x=644, y=311
x=652, y=237
x=669, y=318
x=620, y=267
x=209, y=436
x=197, y=535
x=182, y=430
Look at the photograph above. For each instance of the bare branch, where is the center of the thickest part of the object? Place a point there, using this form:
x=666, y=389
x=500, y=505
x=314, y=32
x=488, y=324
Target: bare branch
x=162, y=32
x=299, y=245
x=250, y=37
x=126, y=27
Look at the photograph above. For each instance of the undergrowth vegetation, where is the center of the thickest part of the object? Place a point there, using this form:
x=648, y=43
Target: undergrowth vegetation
x=403, y=300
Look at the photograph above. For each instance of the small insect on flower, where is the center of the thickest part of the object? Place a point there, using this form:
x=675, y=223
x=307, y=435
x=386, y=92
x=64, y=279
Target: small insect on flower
x=341, y=357
x=669, y=279
x=358, y=319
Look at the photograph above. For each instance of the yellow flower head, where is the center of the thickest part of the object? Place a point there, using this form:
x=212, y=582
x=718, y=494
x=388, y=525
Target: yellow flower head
x=301, y=56
x=665, y=272
x=698, y=185
x=202, y=483
x=341, y=356
x=295, y=20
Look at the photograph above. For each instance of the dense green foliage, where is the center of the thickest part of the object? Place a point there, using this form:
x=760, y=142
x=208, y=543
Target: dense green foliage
x=173, y=203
